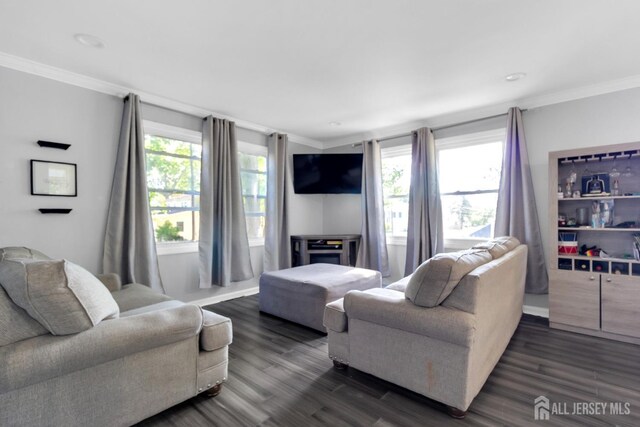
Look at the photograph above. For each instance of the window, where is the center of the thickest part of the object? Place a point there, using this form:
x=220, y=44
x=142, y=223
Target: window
x=253, y=175
x=173, y=161
x=469, y=176
x=396, y=179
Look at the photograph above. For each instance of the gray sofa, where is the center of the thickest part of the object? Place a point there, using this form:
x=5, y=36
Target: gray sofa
x=156, y=352
x=440, y=331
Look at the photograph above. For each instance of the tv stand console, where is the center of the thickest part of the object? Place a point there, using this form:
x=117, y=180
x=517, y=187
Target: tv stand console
x=339, y=249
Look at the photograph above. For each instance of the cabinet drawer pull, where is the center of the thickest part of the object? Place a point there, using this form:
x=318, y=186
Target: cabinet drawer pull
x=609, y=279
x=592, y=278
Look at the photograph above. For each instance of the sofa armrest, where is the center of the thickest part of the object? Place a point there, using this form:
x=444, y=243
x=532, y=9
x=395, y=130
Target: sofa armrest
x=390, y=308
x=216, y=331
x=335, y=318
x=111, y=281
x=41, y=358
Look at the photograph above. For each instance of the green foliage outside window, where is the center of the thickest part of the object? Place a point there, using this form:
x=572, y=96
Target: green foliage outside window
x=173, y=179
x=168, y=232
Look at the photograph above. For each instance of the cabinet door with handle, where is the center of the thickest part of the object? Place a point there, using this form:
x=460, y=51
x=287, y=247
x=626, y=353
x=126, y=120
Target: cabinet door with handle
x=621, y=305
x=574, y=299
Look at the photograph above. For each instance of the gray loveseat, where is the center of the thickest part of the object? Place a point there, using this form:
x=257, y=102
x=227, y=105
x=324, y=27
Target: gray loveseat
x=440, y=331
x=155, y=353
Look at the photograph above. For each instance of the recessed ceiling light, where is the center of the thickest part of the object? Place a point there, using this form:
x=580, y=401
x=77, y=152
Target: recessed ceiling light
x=515, y=76
x=89, y=40
x=334, y=123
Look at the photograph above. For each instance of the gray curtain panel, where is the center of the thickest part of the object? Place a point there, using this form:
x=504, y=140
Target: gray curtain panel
x=277, y=246
x=424, y=233
x=373, y=246
x=516, y=214
x=129, y=242
x=223, y=246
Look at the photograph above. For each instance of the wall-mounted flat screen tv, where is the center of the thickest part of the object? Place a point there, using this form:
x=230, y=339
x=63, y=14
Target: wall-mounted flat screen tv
x=327, y=173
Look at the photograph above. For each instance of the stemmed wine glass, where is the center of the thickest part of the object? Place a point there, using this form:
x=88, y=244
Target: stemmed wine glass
x=586, y=171
x=614, y=173
x=628, y=170
x=573, y=173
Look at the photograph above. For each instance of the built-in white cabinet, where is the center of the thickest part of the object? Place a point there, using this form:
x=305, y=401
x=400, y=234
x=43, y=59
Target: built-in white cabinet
x=574, y=299
x=594, y=200
x=620, y=300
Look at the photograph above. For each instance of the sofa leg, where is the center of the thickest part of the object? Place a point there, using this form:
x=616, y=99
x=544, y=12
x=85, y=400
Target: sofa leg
x=339, y=365
x=213, y=391
x=456, y=413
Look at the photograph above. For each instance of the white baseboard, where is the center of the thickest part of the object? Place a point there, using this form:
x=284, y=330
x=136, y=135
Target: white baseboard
x=227, y=296
x=536, y=311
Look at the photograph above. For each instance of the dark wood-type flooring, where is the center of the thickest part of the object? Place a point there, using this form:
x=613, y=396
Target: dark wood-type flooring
x=280, y=375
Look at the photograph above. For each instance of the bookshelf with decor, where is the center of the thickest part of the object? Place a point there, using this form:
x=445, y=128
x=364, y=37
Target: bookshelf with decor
x=594, y=215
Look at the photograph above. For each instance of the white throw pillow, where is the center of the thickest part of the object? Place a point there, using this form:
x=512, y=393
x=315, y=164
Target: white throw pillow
x=64, y=297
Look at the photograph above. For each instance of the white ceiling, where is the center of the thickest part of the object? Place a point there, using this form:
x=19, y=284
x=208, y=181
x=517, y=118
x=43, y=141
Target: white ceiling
x=297, y=65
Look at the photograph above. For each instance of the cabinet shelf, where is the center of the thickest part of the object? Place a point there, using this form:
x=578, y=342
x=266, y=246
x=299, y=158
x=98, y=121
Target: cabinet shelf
x=599, y=230
x=594, y=258
x=582, y=199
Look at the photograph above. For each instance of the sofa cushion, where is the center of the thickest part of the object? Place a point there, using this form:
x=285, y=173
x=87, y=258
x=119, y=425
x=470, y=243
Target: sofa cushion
x=15, y=252
x=335, y=318
x=111, y=281
x=164, y=305
x=390, y=308
x=64, y=297
x=15, y=324
x=134, y=296
x=499, y=246
x=42, y=358
x=466, y=296
x=400, y=285
x=216, y=331
x=436, y=278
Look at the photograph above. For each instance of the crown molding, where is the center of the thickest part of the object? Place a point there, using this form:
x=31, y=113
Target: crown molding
x=80, y=80
x=581, y=92
x=537, y=101
x=58, y=74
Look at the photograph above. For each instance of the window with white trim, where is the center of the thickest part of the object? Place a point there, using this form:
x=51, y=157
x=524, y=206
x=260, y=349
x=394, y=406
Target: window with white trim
x=469, y=169
x=173, y=179
x=396, y=179
x=253, y=175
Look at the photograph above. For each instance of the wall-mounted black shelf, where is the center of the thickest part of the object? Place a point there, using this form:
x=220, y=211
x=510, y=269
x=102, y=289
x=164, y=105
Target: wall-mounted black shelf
x=54, y=211
x=50, y=144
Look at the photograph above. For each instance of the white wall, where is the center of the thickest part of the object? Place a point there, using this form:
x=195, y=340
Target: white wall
x=33, y=108
x=600, y=120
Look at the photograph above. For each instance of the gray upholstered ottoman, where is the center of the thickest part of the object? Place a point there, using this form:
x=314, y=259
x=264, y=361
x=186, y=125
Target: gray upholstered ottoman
x=300, y=294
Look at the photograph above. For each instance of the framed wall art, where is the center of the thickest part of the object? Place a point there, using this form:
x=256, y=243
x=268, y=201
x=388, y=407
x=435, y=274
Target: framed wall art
x=53, y=179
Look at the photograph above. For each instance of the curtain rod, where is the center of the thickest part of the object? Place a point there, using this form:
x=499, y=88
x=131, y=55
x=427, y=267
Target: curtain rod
x=400, y=135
